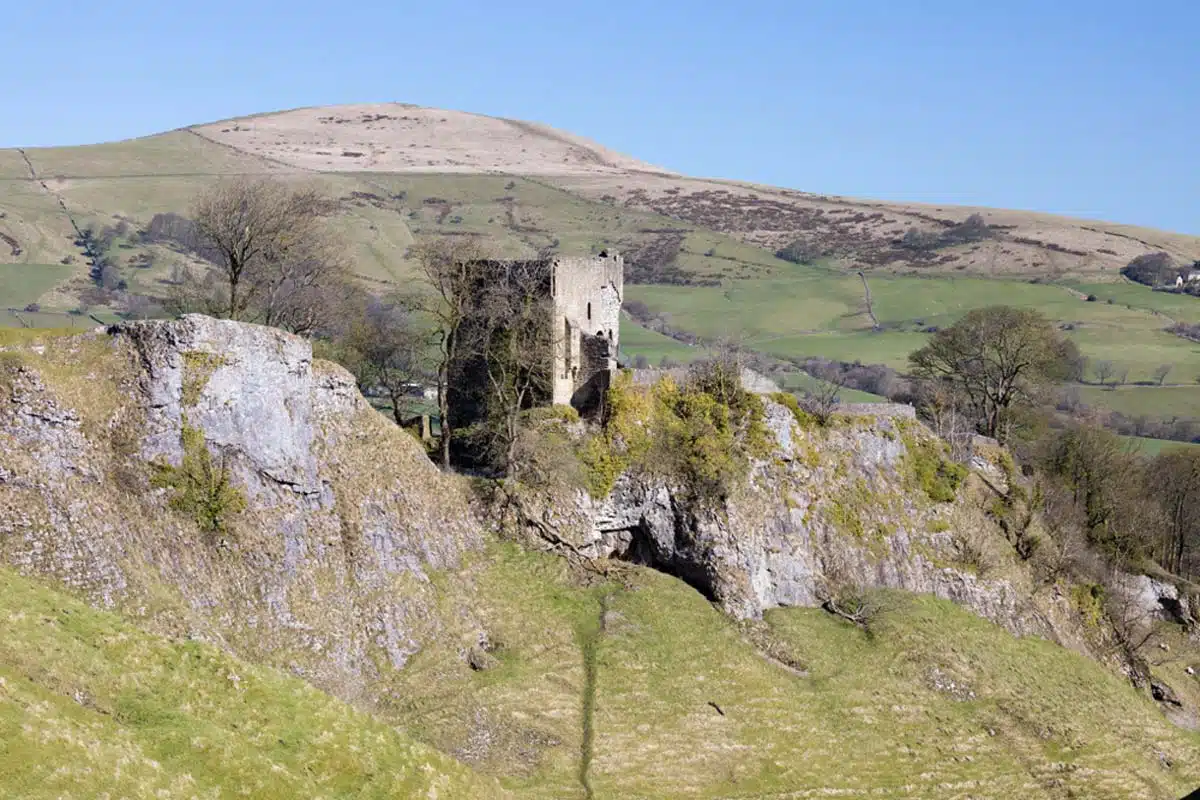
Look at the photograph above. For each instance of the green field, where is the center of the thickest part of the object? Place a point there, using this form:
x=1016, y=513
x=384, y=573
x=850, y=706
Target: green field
x=1153, y=447
x=639, y=341
x=802, y=381
x=1179, y=307
x=1155, y=401
x=22, y=284
x=801, y=312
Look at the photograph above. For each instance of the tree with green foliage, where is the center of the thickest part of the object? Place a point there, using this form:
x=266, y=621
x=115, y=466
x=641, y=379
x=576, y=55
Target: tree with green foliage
x=997, y=360
x=700, y=434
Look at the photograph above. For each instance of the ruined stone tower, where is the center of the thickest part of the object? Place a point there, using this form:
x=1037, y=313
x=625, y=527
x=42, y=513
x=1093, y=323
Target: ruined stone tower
x=584, y=312
x=586, y=296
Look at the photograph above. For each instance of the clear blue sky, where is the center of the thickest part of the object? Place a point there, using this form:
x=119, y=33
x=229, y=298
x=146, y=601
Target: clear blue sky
x=1084, y=108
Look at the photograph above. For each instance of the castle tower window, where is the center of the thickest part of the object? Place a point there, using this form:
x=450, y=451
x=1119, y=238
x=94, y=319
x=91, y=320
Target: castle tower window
x=589, y=311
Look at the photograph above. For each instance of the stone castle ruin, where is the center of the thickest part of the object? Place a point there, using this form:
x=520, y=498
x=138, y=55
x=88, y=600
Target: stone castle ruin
x=584, y=295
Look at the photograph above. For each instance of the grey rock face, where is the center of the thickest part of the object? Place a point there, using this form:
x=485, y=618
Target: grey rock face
x=834, y=511
x=248, y=388
x=1152, y=599
x=326, y=570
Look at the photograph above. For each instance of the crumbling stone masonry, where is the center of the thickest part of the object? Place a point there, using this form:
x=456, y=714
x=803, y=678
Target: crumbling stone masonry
x=585, y=310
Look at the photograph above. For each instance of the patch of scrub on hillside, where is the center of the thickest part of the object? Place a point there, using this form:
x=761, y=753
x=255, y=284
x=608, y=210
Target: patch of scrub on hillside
x=929, y=468
x=202, y=486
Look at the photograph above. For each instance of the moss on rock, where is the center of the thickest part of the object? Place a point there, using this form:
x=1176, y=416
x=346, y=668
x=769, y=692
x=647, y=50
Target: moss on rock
x=202, y=485
x=198, y=367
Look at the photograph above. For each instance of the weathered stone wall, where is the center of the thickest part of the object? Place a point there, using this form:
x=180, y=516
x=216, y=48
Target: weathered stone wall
x=587, y=303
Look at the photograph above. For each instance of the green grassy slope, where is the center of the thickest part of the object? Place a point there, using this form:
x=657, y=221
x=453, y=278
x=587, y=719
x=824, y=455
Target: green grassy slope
x=1153, y=447
x=1176, y=306
x=12, y=165
x=92, y=707
x=22, y=284
x=639, y=341
x=811, y=311
x=615, y=679
x=379, y=216
x=872, y=715
x=166, y=154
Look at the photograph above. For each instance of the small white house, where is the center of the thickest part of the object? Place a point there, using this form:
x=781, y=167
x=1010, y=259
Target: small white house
x=1191, y=277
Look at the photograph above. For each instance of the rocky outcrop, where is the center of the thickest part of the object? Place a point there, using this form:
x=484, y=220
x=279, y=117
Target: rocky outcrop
x=322, y=566
x=835, y=507
x=119, y=447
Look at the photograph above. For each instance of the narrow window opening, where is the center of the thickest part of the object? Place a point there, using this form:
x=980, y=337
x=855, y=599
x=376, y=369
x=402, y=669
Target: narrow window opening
x=589, y=311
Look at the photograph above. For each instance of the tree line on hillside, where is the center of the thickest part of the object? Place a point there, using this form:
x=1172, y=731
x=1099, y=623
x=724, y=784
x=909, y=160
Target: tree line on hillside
x=996, y=372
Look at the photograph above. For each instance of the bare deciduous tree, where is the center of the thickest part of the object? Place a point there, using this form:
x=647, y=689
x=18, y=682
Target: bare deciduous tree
x=516, y=341
x=1162, y=372
x=1104, y=371
x=1174, y=477
x=445, y=267
x=276, y=259
x=823, y=398
x=843, y=595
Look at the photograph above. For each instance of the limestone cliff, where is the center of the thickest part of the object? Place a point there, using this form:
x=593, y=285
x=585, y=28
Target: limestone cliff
x=858, y=503
x=325, y=568
x=345, y=517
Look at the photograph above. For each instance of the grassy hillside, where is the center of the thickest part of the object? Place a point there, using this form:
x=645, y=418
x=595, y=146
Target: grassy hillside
x=625, y=677
x=1153, y=447
x=420, y=172
x=634, y=686
x=812, y=311
x=93, y=707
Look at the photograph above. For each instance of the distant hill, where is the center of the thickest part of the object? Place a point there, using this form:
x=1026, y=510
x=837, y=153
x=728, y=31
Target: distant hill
x=773, y=267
